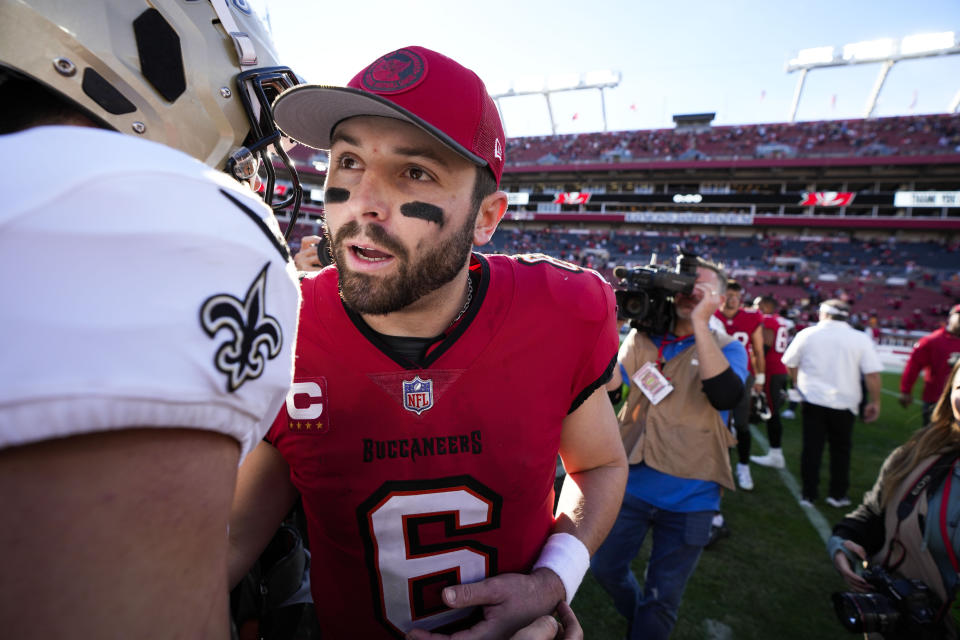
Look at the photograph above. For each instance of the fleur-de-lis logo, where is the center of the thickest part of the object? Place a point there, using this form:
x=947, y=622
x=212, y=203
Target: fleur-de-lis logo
x=256, y=336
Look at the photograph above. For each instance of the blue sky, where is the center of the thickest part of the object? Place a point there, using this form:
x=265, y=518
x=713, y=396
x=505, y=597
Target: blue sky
x=675, y=57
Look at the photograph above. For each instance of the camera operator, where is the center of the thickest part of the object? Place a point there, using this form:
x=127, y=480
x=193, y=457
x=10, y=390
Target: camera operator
x=677, y=443
x=908, y=522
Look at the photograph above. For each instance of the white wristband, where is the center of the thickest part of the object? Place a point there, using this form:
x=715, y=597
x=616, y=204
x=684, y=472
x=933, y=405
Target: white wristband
x=759, y=378
x=567, y=557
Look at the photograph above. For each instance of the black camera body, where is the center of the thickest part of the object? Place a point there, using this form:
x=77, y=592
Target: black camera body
x=898, y=608
x=646, y=295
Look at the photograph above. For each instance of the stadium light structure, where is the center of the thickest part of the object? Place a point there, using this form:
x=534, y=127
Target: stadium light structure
x=887, y=51
x=545, y=86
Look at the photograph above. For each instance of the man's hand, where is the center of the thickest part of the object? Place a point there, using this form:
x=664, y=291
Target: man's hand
x=842, y=564
x=307, y=258
x=548, y=628
x=510, y=601
x=871, y=411
x=906, y=399
x=708, y=301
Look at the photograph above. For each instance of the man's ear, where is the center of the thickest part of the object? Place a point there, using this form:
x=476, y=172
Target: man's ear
x=491, y=211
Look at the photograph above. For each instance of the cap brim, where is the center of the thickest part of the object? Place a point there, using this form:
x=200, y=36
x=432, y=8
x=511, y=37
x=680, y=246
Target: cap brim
x=308, y=113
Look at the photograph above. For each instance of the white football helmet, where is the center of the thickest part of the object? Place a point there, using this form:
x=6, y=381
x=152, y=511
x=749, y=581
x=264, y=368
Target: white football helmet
x=197, y=75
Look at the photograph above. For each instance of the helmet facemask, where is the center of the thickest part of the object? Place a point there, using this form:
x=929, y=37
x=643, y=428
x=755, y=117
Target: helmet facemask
x=257, y=89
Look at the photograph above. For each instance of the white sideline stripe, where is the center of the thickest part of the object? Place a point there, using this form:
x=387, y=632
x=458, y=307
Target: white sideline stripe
x=890, y=393
x=716, y=630
x=820, y=524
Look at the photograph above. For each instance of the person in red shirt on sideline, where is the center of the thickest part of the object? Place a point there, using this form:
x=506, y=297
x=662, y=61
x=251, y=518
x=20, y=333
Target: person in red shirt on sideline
x=934, y=354
x=744, y=325
x=776, y=337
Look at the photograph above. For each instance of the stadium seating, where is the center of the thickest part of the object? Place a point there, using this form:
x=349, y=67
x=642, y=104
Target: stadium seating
x=905, y=285
x=896, y=136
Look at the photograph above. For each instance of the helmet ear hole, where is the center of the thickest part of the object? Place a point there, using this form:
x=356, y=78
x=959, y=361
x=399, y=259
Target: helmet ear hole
x=161, y=60
x=29, y=103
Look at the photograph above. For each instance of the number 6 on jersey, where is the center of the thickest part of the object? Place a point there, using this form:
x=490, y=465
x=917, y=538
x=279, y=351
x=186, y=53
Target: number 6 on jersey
x=416, y=544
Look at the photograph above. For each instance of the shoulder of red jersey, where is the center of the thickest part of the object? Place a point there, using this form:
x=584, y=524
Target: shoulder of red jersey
x=565, y=287
x=318, y=291
x=752, y=317
x=774, y=321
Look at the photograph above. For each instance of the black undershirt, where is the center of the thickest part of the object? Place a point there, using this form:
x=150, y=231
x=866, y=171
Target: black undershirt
x=413, y=349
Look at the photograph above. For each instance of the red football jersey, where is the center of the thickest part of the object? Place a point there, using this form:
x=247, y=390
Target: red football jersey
x=932, y=354
x=413, y=478
x=780, y=327
x=741, y=326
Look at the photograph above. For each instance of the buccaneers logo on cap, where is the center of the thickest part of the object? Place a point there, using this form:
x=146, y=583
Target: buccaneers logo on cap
x=396, y=71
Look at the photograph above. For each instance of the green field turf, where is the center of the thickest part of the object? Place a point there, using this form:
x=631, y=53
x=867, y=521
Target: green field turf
x=771, y=579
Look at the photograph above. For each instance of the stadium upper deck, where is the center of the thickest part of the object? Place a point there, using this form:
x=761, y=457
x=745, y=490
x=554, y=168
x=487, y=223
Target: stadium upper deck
x=927, y=135
x=844, y=174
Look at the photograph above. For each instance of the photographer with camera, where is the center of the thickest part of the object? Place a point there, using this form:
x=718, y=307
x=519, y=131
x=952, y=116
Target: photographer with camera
x=907, y=526
x=684, y=377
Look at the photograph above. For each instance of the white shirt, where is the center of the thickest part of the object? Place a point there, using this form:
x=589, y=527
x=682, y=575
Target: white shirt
x=130, y=275
x=830, y=357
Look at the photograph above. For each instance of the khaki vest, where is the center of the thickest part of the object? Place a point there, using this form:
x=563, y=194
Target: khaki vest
x=683, y=435
x=919, y=565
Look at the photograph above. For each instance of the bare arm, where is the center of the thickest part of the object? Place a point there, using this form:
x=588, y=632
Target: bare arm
x=874, y=385
x=117, y=530
x=263, y=497
x=759, y=362
x=596, y=467
x=615, y=381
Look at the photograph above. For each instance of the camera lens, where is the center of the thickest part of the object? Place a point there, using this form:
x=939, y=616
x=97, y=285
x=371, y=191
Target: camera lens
x=637, y=306
x=633, y=304
x=865, y=612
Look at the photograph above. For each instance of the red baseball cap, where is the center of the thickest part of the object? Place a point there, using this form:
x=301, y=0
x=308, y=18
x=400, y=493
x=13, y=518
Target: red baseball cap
x=412, y=84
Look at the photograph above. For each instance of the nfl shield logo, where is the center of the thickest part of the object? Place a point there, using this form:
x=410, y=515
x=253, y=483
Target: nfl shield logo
x=417, y=395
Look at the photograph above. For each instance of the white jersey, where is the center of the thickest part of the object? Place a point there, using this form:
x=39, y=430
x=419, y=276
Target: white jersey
x=139, y=288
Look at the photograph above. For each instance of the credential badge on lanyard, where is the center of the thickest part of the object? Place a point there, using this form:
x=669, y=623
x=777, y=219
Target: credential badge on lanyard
x=652, y=383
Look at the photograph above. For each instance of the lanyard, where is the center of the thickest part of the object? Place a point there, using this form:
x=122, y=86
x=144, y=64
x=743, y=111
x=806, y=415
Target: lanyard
x=663, y=343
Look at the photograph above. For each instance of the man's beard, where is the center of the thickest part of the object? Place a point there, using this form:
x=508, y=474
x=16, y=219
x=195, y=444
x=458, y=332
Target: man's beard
x=378, y=295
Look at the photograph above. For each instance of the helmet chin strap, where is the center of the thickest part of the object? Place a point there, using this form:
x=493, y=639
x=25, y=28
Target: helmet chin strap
x=246, y=51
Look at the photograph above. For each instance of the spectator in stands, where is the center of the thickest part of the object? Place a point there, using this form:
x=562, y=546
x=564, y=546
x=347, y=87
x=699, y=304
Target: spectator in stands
x=134, y=380
x=675, y=435
x=934, y=355
x=826, y=362
x=907, y=523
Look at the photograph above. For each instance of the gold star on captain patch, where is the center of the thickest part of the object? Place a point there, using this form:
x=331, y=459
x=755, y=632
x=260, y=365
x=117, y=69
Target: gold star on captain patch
x=308, y=426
